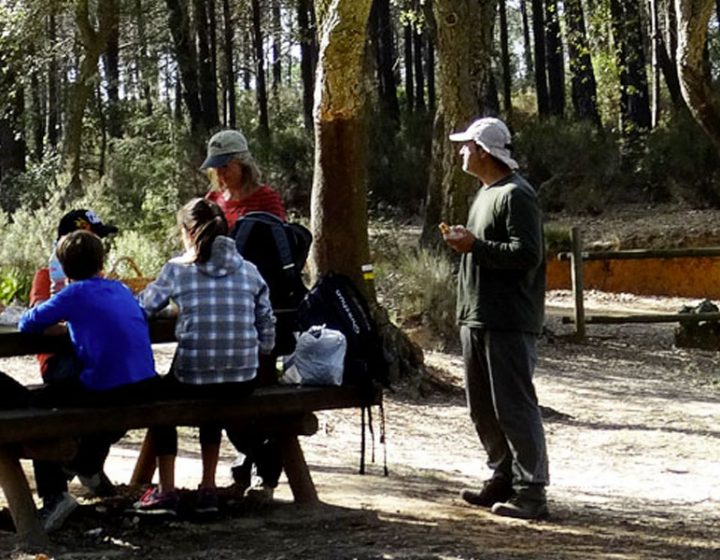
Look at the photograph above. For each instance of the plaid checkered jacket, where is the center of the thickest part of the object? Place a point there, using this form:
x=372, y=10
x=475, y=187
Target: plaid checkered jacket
x=224, y=315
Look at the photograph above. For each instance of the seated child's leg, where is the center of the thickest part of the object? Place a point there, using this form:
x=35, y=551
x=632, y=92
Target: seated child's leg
x=210, y=437
x=269, y=462
x=62, y=366
x=49, y=478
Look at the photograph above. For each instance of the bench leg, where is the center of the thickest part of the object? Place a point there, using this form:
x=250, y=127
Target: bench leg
x=145, y=465
x=19, y=498
x=296, y=469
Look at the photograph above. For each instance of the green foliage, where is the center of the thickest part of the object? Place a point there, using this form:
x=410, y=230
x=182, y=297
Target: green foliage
x=14, y=285
x=399, y=161
x=575, y=166
x=680, y=163
x=557, y=239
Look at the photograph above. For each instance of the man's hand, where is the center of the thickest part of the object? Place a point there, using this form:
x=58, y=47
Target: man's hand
x=460, y=239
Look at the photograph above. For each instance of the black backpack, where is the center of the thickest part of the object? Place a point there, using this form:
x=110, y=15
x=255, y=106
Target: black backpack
x=279, y=250
x=336, y=302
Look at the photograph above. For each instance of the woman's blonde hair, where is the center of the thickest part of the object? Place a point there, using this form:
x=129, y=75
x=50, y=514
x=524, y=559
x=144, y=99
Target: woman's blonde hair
x=251, y=175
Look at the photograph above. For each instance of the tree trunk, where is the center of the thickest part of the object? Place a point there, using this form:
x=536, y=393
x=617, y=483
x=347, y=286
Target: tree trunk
x=670, y=74
x=430, y=58
x=39, y=114
x=12, y=144
x=464, y=37
x=692, y=19
x=381, y=26
x=110, y=19
x=276, y=47
x=187, y=62
x=655, y=63
x=409, y=68
x=148, y=70
x=505, y=58
x=583, y=85
x=339, y=193
x=541, y=84
x=630, y=55
x=308, y=47
x=231, y=120
x=260, y=87
x=206, y=66
x=554, y=59
x=53, y=90
x=527, y=47
x=418, y=71
x=94, y=42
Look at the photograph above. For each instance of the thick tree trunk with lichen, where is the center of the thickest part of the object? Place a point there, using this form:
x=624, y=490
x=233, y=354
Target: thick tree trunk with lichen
x=464, y=50
x=692, y=26
x=339, y=196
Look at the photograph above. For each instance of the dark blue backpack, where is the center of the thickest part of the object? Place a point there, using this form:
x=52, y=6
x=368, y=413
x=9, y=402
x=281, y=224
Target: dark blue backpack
x=279, y=250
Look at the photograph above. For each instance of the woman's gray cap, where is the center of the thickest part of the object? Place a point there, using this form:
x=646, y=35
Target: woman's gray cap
x=223, y=146
x=492, y=135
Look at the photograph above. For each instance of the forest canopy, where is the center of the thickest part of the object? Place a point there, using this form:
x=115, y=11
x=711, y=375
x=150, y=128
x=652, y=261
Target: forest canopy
x=109, y=103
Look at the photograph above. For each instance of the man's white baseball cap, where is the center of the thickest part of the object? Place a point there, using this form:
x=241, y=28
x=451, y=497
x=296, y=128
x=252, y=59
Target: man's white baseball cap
x=492, y=135
x=223, y=146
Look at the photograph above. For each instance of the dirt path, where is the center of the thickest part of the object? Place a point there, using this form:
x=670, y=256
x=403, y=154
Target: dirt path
x=634, y=462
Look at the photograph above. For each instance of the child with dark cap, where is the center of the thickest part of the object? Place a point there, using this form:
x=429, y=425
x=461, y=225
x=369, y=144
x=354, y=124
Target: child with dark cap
x=114, y=361
x=50, y=279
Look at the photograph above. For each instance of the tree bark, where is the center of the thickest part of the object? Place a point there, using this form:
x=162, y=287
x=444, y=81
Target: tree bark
x=276, y=47
x=527, y=47
x=339, y=194
x=111, y=64
x=13, y=149
x=418, y=71
x=634, y=97
x=53, y=90
x=148, y=70
x=554, y=59
x=692, y=19
x=308, y=56
x=260, y=82
x=541, y=84
x=39, y=114
x=583, y=84
x=382, y=30
x=505, y=58
x=93, y=42
x=187, y=62
x=409, y=68
x=230, y=109
x=464, y=39
x=206, y=66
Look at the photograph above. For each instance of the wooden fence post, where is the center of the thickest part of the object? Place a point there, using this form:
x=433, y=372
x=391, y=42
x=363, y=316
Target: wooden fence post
x=576, y=269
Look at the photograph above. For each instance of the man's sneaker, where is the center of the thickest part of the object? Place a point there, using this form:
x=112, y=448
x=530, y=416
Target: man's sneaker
x=56, y=509
x=99, y=484
x=153, y=502
x=497, y=489
x=207, y=501
x=260, y=494
x=522, y=507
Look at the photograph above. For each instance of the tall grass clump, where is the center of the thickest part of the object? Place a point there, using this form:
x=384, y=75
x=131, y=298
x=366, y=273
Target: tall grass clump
x=418, y=289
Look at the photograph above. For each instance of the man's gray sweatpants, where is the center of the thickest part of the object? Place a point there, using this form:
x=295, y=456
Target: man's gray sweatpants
x=503, y=405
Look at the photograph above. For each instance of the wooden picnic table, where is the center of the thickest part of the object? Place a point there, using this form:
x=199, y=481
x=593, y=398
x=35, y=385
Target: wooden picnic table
x=282, y=411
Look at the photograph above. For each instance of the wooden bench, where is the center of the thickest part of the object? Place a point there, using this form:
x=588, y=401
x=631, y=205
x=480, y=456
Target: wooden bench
x=282, y=411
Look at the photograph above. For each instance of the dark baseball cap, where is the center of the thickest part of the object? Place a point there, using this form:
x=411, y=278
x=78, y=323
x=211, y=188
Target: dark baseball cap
x=84, y=219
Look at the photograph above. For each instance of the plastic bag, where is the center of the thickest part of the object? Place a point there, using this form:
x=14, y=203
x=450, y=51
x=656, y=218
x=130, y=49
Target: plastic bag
x=319, y=357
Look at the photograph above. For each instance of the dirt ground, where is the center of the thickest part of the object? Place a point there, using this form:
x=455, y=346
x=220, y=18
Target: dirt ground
x=633, y=429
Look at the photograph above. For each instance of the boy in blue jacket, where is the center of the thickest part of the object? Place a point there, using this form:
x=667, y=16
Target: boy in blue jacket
x=115, y=363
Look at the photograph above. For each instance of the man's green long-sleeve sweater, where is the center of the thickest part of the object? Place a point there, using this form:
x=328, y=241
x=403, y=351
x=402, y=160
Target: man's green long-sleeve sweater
x=501, y=283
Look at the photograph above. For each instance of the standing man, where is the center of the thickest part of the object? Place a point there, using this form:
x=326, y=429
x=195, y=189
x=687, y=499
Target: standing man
x=500, y=308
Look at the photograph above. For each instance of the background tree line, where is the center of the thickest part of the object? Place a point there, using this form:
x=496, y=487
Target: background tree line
x=110, y=102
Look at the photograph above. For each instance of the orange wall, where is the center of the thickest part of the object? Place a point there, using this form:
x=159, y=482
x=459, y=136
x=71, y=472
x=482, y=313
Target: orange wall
x=683, y=276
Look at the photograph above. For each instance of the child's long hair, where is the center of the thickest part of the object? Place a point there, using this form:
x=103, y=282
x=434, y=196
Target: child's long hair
x=204, y=221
